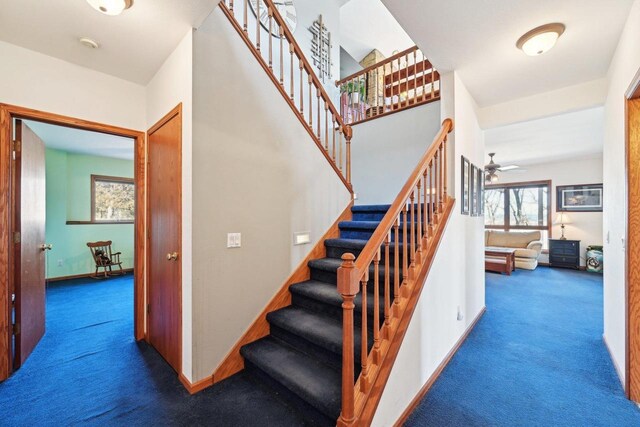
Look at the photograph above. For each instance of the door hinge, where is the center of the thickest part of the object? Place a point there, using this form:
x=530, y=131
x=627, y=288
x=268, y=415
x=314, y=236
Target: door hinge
x=16, y=237
x=16, y=149
x=16, y=329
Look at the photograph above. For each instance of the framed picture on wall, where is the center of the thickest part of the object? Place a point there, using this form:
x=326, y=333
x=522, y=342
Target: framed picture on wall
x=480, y=193
x=473, y=194
x=579, y=198
x=465, y=175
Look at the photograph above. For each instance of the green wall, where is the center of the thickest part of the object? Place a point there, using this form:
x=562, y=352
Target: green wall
x=69, y=199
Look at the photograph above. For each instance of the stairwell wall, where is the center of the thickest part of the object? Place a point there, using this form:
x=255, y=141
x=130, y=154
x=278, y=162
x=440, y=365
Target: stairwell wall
x=255, y=171
x=455, y=283
x=386, y=150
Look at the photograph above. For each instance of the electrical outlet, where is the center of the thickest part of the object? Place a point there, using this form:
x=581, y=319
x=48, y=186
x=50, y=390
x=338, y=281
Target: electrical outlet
x=234, y=240
x=60, y=263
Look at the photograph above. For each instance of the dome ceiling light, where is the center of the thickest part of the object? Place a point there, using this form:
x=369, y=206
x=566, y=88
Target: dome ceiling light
x=540, y=39
x=110, y=7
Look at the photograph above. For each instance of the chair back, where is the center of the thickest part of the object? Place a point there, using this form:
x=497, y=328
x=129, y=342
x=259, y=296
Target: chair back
x=101, y=252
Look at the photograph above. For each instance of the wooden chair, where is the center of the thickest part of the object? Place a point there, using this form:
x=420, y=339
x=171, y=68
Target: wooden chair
x=105, y=259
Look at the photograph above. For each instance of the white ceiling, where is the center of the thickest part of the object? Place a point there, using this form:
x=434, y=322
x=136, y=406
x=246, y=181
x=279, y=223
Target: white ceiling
x=83, y=141
x=366, y=25
x=133, y=45
x=477, y=38
x=556, y=138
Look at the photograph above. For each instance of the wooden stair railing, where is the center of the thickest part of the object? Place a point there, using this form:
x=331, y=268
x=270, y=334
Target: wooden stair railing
x=404, y=80
x=415, y=222
x=275, y=48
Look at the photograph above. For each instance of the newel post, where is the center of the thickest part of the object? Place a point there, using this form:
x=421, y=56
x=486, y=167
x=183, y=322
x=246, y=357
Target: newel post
x=348, y=133
x=348, y=286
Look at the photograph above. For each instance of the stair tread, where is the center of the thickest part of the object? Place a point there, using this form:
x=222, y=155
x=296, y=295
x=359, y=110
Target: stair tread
x=316, y=383
x=370, y=208
x=317, y=328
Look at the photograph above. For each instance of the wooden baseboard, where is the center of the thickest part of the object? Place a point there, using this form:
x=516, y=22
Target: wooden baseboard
x=197, y=386
x=233, y=361
x=432, y=379
x=81, y=276
x=615, y=365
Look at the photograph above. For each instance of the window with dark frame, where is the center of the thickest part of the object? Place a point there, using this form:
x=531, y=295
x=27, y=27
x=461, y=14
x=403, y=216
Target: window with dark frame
x=112, y=199
x=521, y=206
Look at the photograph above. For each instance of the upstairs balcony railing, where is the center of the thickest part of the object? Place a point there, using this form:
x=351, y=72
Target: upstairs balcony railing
x=404, y=80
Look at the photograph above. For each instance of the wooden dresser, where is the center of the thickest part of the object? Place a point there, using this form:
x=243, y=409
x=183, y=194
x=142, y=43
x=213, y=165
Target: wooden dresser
x=564, y=253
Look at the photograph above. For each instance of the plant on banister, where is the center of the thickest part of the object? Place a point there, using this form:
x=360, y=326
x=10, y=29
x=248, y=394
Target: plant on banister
x=270, y=40
x=404, y=80
x=395, y=261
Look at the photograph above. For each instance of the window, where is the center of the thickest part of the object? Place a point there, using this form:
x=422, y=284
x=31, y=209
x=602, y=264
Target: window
x=519, y=207
x=112, y=199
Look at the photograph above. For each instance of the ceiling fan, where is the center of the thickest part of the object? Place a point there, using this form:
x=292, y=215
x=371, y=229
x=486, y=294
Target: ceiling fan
x=492, y=168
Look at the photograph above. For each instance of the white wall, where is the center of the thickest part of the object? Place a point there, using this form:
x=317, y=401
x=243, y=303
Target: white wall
x=33, y=80
x=385, y=150
x=173, y=84
x=585, y=226
x=255, y=171
x=457, y=275
x=624, y=66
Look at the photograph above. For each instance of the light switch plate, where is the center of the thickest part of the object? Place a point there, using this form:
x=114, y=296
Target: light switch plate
x=234, y=240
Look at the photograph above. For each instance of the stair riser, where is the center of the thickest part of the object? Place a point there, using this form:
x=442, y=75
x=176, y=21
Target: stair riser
x=311, y=414
x=331, y=277
x=336, y=252
x=368, y=216
x=333, y=310
x=331, y=357
x=358, y=234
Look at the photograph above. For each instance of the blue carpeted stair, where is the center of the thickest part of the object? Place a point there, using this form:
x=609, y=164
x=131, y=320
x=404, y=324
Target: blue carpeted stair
x=301, y=359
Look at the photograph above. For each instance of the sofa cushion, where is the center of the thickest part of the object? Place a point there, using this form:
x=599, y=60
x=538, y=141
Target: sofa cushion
x=508, y=239
x=526, y=253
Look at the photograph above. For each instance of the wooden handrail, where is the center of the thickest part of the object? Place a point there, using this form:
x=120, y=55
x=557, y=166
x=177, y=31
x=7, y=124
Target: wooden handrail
x=300, y=106
x=421, y=210
x=389, y=86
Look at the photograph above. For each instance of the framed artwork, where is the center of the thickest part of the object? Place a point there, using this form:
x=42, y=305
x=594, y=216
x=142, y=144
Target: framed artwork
x=473, y=193
x=480, y=195
x=579, y=198
x=465, y=175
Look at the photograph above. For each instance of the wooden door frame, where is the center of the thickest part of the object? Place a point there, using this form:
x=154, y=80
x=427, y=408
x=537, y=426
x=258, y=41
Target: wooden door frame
x=632, y=260
x=7, y=114
x=176, y=111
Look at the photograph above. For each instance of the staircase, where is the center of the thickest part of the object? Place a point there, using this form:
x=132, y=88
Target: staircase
x=301, y=358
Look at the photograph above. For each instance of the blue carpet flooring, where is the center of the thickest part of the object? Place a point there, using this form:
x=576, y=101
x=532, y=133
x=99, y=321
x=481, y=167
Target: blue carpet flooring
x=536, y=358
x=88, y=370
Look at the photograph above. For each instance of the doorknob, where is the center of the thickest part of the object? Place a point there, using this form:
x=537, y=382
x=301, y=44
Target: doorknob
x=46, y=246
x=173, y=256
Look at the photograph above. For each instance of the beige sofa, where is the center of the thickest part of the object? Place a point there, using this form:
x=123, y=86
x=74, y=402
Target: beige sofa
x=528, y=245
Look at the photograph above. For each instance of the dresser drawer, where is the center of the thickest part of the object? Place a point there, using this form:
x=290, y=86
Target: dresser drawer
x=559, y=259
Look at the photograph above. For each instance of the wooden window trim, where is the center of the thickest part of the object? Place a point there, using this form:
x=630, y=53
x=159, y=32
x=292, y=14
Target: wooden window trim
x=507, y=218
x=103, y=178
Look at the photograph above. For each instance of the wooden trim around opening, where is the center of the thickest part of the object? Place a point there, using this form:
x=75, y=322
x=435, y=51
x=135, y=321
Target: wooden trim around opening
x=632, y=253
x=233, y=361
x=434, y=376
x=7, y=114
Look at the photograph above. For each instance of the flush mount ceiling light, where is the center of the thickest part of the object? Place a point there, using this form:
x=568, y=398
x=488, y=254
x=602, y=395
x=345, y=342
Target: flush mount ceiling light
x=110, y=7
x=87, y=42
x=540, y=39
